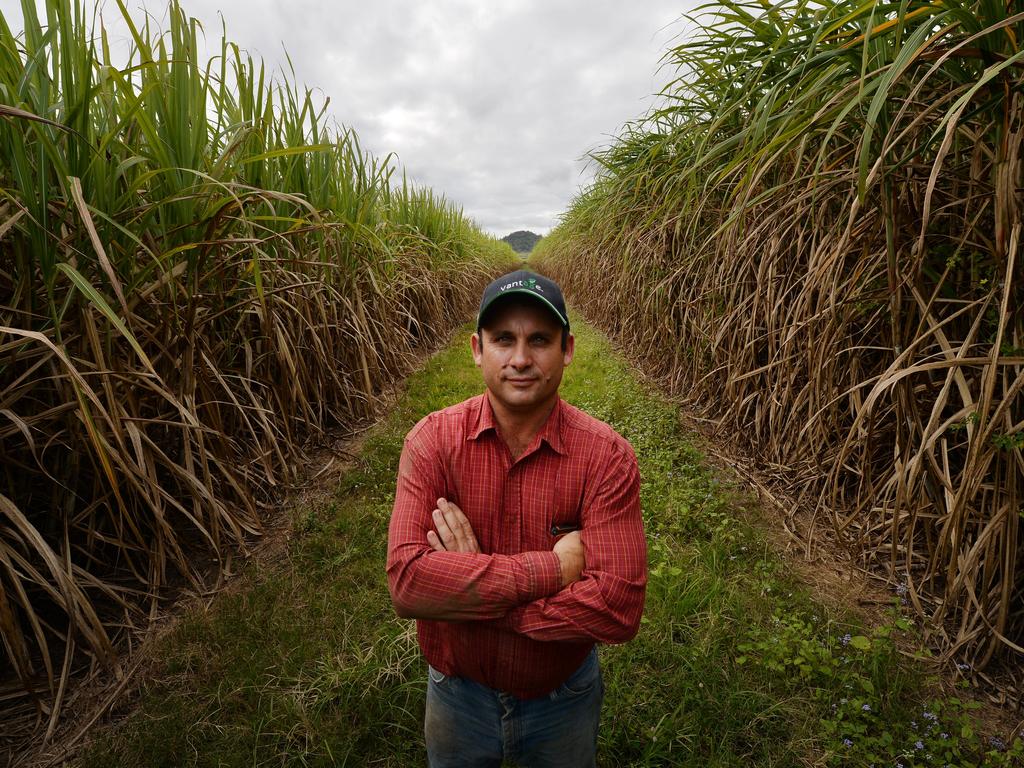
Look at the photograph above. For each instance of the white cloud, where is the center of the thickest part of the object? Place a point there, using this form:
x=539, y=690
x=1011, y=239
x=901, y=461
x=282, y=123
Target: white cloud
x=492, y=104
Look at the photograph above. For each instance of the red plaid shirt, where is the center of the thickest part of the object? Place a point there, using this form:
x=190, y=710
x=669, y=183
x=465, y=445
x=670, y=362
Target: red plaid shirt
x=499, y=617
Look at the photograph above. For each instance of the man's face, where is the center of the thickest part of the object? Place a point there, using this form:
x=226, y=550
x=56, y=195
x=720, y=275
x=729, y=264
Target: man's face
x=521, y=356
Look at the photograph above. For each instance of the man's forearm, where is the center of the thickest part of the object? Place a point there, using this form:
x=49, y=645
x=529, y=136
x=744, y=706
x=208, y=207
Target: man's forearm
x=602, y=609
x=456, y=592
x=461, y=586
x=448, y=585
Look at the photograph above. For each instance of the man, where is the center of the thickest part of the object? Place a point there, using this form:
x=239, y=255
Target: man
x=516, y=541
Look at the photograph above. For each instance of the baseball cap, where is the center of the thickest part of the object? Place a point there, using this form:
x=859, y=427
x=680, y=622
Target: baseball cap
x=521, y=281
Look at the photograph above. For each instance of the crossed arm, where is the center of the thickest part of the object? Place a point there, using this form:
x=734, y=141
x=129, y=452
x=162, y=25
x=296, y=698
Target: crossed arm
x=453, y=533
x=589, y=587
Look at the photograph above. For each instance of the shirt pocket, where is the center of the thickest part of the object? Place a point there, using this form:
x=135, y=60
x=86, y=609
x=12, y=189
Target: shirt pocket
x=564, y=517
x=551, y=505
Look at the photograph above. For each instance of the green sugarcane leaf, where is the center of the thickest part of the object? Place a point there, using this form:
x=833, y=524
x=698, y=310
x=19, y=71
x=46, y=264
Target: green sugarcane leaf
x=287, y=151
x=97, y=300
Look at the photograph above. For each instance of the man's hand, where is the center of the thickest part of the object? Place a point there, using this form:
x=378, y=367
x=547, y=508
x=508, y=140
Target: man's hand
x=571, y=558
x=454, y=533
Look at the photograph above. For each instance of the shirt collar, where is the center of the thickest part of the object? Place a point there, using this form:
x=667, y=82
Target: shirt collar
x=484, y=418
x=551, y=432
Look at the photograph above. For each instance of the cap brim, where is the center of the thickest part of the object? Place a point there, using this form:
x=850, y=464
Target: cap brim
x=526, y=291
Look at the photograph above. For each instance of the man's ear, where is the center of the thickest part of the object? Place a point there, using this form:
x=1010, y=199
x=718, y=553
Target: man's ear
x=477, y=345
x=570, y=349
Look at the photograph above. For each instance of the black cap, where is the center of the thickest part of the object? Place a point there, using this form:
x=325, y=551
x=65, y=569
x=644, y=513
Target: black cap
x=530, y=284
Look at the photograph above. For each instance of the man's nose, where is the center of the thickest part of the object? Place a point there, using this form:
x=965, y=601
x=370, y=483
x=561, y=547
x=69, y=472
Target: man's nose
x=520, y=356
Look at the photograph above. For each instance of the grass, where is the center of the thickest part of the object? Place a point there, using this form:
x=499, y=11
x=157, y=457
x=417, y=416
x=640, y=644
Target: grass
x=302, y=661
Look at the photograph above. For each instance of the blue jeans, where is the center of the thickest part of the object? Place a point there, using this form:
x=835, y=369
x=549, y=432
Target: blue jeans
x=469, y=725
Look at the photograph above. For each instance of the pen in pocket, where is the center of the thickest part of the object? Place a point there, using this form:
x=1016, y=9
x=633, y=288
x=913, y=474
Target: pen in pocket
x=558, y=530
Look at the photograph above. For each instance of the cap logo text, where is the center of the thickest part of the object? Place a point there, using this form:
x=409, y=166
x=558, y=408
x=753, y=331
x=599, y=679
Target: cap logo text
x=531, y=284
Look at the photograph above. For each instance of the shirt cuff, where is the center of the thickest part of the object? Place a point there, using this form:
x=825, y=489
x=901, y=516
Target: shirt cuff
x=545, y=575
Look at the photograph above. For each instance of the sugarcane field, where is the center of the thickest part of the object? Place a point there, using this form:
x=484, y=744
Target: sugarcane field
x=553, y=385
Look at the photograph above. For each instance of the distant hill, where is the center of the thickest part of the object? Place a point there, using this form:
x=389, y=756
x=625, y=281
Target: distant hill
x=522, y=241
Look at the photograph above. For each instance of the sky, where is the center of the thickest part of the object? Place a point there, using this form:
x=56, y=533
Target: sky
x=493, y=104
